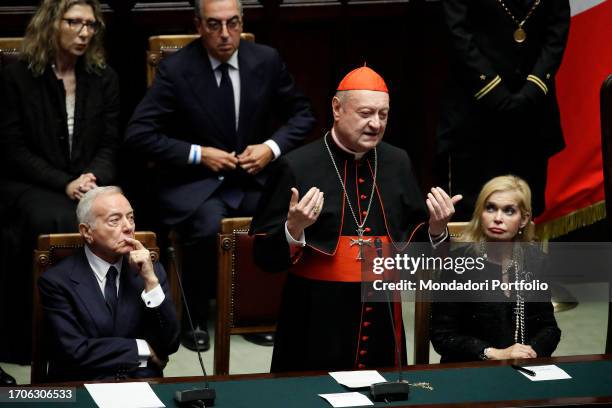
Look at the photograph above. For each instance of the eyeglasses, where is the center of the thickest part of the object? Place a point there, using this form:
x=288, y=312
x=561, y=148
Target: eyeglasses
x=78, y=25
x=216, y=26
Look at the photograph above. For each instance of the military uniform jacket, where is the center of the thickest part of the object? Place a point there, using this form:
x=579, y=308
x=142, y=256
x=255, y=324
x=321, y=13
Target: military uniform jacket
x=496, y=82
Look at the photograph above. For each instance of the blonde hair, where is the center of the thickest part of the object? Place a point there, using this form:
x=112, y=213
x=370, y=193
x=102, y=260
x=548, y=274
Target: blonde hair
x=474, y=233
x=40, y=44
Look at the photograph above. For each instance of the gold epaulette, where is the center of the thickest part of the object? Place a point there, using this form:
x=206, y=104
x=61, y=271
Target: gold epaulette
x=488, y=87
x=538, y=82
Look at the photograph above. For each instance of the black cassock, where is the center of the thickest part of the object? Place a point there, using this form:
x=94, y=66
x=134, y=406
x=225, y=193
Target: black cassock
x=323, y=323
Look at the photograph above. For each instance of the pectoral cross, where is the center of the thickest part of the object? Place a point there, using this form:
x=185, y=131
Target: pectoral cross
x=361, y=242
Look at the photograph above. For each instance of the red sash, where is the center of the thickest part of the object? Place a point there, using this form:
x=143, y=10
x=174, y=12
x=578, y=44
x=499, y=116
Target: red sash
x=343, y=266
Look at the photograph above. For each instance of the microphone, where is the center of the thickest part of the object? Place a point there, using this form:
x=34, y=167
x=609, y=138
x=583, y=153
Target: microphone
x=196, y=397
x=391, y=390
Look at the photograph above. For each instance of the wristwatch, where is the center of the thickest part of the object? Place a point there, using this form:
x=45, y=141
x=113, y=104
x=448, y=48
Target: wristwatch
x=484, y=354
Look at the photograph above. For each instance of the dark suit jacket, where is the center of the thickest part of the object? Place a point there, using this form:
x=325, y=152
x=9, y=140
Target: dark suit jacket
x=180, y=110
x=85, y=342
x=461, y=330
x=482, y=48
x=34, y=132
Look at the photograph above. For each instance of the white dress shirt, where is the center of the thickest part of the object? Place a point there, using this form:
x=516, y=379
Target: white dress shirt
x=195, y=154
x=151, y=299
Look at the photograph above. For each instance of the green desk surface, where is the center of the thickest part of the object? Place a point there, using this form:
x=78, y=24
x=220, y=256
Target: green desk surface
x=463, y=385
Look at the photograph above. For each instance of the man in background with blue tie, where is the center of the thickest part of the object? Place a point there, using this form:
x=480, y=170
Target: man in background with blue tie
x=207, y=124
x=108, y=306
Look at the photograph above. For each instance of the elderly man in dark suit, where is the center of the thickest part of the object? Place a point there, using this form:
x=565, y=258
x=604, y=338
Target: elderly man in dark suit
x=206, y=121
x=108, y=305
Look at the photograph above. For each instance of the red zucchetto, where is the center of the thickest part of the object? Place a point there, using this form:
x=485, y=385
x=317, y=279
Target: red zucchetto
x=365, y=79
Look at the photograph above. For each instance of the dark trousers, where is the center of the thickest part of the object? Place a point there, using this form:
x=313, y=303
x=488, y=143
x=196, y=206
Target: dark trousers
x=199, y=240
x=36, y=211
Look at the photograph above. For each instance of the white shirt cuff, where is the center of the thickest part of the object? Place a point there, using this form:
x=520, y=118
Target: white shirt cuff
x=440, y=239
x=301, y=242
x=274, y=147
x=195, y=155
x=153, y=298
x=143, y=352
x=294, y=245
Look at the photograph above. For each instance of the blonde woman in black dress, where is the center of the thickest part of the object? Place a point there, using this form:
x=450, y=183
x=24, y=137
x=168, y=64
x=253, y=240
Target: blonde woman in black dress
x=513, y=327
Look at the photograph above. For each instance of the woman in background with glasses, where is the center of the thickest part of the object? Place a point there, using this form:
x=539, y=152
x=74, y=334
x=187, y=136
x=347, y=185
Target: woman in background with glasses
x=58, y=139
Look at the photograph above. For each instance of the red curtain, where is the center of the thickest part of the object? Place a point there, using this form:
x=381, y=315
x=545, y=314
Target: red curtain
x=575, y=190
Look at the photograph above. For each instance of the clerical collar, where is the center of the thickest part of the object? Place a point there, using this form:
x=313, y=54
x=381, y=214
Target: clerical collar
x=232, y=62
x=99, y=265
x=345, y=149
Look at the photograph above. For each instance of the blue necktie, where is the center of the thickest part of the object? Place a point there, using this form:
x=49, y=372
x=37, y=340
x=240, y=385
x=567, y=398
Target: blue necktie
x=110, y=289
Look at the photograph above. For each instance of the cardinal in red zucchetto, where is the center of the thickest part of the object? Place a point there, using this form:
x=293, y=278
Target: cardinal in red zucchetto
x=327, y=201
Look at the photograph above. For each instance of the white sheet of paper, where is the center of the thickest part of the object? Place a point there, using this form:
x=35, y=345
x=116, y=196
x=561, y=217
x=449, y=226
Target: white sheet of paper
x=546, y=373
x=124, y=395
x=357, y=379
x=347, y=399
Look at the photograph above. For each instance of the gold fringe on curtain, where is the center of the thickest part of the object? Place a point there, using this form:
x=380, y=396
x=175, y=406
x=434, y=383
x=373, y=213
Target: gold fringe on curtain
x=572, y=221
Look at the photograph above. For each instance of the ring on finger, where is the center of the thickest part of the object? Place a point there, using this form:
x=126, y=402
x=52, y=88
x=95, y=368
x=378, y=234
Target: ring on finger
x=316, y=209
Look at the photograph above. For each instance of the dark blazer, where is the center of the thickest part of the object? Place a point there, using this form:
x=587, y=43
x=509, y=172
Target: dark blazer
x=460, y=331
x=85, y=342
x=483, y=48
x=34, y=132
x=180, y=110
